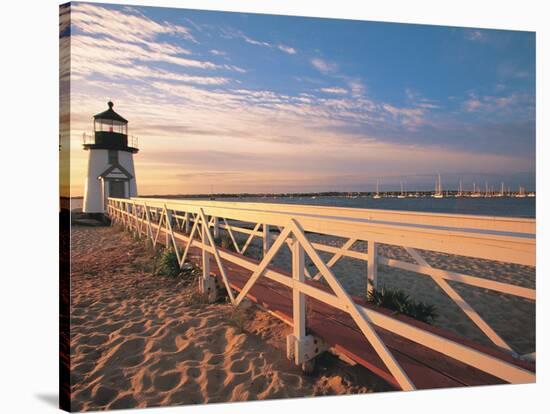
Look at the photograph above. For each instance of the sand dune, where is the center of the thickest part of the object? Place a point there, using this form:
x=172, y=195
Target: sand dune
x=139, y=340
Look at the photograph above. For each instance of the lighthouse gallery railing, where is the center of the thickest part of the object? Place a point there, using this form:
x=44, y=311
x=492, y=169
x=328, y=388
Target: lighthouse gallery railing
x=510, y=240
x=89, y=139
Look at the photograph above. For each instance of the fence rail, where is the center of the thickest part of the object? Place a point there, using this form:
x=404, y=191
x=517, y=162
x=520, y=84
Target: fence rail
x=189, y=223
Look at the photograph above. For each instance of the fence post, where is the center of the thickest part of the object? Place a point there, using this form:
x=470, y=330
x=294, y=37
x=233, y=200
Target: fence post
x=170, y=217
x=166, y=235
x=205, y=254
x=216, y=228
x=128, y=219
x=207, y=283
x=372, y=266
x=298, y=304
x=149, y=237
x=266, y=239
x=187, y=220
x=134, y=218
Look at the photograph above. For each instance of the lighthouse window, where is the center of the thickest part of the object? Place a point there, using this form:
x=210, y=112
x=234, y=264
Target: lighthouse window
x=113, y=157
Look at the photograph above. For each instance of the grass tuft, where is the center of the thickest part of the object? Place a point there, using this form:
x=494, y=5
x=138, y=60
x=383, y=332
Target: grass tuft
x=237, y=318
x=225, y=242
x=399, y=301
x=194, y=298
x=168, y=264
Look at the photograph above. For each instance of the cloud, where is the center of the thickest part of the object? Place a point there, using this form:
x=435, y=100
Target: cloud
x=323, y=66
x=230, y=33
x=490, y=103
x=128, y=26
x=105, y=39
x=216, y=52
x=120, y=52
x=415, y=99
x=255, y=42
x=475, y=35
x=409, y=117
x=194, y=114
x=235, y=68
x=109, y=58
x=287, y=49
x=357, y=87
x=427, y=105
x=334, y=90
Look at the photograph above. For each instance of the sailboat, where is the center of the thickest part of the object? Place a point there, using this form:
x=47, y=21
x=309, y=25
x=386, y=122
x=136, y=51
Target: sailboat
x=475, y=193
x=521, y=193
x=402, y=194
x=377, y=195
x=438, y=193
x=460, y=193
x=501, y=194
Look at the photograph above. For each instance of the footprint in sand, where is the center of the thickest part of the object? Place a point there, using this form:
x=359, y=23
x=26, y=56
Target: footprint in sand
x=239, y=366
x=194, y=372
x=258, y=386
x=214, y=380
x=126, y=401
x=95, y=339
x=103, y=396
x=134, y=329
x=215, y=360
x=130, y=353
x=167, y=382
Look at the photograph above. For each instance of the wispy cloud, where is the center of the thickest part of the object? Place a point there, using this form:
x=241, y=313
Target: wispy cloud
x=230, y=33
x=334, y=90
x=475, y=35
x=324, y=66
x=216, y=52
x=357, y=87
x=409, y=117
x=186, y=95
x=416, y=99
x=129, y=27
x=489, y=103
x=287, y=49
x=103, y=49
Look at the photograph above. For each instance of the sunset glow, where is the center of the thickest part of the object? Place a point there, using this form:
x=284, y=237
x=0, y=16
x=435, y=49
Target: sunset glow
x=232, y=102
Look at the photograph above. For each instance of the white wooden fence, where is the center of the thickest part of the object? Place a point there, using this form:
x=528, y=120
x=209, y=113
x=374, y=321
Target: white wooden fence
x=509, y=240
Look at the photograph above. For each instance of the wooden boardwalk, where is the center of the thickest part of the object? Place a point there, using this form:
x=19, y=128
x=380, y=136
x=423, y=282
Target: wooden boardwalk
x=406, y=353
x=425, y=367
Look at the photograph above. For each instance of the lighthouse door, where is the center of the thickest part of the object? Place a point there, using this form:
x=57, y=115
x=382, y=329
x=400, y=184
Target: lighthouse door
x=116, y=189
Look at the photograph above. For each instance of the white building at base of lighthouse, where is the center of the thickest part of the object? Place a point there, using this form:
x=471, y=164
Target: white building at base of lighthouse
x=111, y=170
x=105, y=180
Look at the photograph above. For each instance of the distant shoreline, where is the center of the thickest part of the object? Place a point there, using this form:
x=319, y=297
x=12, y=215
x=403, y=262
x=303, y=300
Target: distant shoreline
x=496, y=205
x=450, y=193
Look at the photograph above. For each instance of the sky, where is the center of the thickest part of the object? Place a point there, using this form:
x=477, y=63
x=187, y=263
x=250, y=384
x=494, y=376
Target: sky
x=236, y=102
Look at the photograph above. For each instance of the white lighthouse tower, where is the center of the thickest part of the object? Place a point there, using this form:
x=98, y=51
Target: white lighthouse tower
x=110, y=161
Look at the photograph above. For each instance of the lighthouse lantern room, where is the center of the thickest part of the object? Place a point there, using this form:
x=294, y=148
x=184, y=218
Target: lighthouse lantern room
x=110, y=161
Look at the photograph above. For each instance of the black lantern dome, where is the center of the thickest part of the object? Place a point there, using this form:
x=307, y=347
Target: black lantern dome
x=111, y=115
x=111, y=132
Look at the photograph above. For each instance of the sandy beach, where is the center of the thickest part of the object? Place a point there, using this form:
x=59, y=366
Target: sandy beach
x=141, y=340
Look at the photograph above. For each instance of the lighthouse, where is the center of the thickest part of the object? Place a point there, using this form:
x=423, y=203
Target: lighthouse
x=110, y=161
